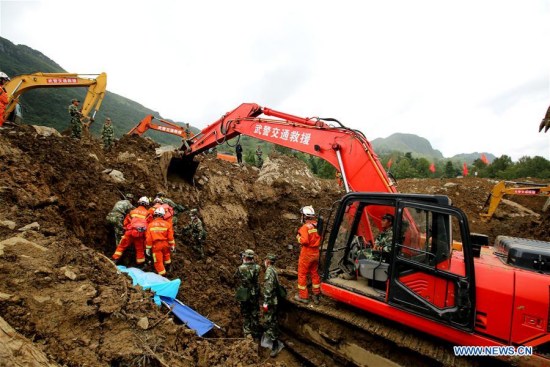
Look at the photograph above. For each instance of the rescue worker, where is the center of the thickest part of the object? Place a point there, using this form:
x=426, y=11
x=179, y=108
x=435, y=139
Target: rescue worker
x=176, y=208
x=383, y=241
x=248, y=294
x=270, y=305
x=135, y=225
x=3, y=96
x=196, y=231
x=76, y=119
x=160, y=241
x=118, y=213
x=107, y=134
x=168, y=210
x=308, y=262
x=259, y=154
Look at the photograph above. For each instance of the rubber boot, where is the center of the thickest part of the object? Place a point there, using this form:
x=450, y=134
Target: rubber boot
x=276, y=348
x=316, y=299
x=302, y=300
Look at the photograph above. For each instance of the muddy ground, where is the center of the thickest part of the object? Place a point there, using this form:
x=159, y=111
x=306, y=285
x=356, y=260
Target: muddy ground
x=67, y=303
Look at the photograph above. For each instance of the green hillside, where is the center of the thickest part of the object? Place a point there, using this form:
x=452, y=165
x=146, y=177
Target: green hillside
x=48, y=107
x=399, y=142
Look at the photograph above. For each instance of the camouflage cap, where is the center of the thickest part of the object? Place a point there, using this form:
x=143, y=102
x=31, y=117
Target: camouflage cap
x=160, y=194
x=129, y=196
x=271, y=257
x=74, y=100
x=193, y=211
x=248, y=253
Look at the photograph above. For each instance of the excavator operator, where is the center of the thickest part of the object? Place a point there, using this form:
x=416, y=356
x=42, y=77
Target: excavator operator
x=3, y=96
x=308, y=263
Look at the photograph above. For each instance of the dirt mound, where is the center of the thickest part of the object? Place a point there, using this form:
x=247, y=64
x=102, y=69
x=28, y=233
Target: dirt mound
x=470, y=194
x=61, y=292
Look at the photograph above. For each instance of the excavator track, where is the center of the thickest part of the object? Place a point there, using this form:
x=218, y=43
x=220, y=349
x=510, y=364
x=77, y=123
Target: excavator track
x=359, y=339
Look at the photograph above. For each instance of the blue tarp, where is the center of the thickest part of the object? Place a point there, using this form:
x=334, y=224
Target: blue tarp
x=166, y=291
x=186, y=314
x=157, y=283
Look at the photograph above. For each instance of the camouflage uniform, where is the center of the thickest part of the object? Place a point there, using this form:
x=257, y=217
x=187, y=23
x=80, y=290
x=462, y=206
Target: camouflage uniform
x=107, y=135
x=259, y=154
x=248, y=294
x=384, y=240
x=271, y=285
x=177, y=209
x=196, y=230
x=76, y=124
x=116, y=217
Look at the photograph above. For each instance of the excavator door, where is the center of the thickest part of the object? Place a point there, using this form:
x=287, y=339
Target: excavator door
x=427, y=278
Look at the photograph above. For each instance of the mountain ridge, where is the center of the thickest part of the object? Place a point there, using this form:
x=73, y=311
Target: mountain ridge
x=48, y=107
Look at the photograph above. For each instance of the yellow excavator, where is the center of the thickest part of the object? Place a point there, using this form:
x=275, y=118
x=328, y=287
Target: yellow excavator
x=96, y=83
x=518, y=188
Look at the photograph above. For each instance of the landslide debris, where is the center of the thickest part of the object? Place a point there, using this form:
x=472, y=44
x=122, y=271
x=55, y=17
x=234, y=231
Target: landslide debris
x=62, y=295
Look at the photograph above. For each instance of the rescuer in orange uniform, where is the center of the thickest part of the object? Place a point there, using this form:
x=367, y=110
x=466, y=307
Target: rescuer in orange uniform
x=3, y=96
x=168, y=210
x=309, y=240
x=160, y=241
x=135, y=225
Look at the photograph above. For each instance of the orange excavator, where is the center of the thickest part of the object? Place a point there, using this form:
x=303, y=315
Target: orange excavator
x=437, y=278
x=171, y=128
x=97, y=87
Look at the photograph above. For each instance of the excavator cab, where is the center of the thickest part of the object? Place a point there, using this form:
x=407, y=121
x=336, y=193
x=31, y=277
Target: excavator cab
x=417, y=272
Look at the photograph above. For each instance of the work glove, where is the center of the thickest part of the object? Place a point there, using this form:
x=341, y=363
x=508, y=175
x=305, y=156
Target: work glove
x=148, y=252
x=173, y=249
x=264, y=307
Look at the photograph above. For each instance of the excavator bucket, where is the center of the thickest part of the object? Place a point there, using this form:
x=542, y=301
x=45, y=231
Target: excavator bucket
x=178, y=168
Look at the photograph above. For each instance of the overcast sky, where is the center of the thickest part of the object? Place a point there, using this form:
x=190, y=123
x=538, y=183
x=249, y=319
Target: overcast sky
x=468, y=75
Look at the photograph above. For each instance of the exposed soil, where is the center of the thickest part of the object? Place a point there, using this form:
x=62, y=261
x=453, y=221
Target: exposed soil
x=59, y=291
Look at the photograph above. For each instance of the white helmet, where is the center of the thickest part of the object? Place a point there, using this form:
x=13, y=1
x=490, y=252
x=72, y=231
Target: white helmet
x=144, y=200
x=308, y=211
x=4, y=76
x=159, y=212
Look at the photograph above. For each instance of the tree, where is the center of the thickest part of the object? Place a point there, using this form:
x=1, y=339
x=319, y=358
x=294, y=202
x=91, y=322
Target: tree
x=450, y=171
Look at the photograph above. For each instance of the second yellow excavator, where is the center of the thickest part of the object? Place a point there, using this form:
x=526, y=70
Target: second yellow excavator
x=518, y=188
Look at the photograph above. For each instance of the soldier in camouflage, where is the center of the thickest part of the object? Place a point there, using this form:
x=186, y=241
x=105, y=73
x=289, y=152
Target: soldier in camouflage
x=196, y=231
x=107, y=134
x=178, y=209
x=270, y=305
x=76, y=116
x=117, y=215
x=383, y=241
x=248, y=294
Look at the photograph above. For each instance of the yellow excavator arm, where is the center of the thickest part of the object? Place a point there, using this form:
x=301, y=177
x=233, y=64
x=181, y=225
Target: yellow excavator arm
x=521, y=188
x=22, y=83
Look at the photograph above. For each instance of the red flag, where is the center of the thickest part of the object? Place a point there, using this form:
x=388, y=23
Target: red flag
x=432, y=168
x=484, y=159
x=390, y=162
x=464, y=170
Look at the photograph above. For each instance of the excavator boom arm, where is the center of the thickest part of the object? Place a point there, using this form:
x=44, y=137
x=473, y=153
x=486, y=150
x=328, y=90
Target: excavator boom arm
x=22, y=83
x=147, y=123
x=347, y=150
